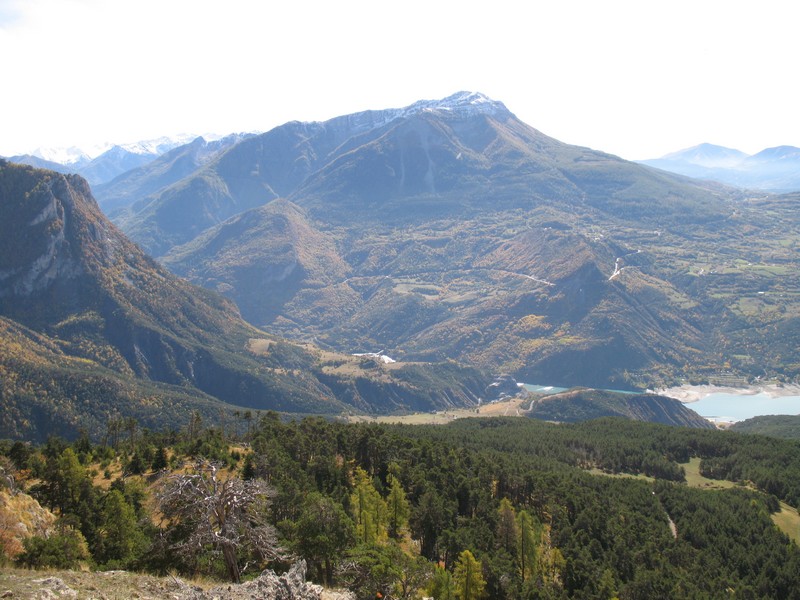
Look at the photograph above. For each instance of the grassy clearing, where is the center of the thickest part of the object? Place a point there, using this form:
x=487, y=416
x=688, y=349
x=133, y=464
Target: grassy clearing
x=788, y=521
x=695, y=479
x=260, y=346
x=508, y=408
x=640, y=476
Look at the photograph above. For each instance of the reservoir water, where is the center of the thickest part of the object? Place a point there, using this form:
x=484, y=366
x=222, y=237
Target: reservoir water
x=543, y=389
x=738, y=407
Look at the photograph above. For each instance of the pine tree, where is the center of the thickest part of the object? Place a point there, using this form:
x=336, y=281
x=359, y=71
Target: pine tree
x=323, y=532
x=120, y=539
x=160, y=459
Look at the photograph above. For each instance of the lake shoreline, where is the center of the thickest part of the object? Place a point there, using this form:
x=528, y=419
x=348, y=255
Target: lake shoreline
x=693, y=393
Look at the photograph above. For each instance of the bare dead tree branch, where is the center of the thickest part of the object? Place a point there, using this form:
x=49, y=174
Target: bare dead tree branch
x=222, y=513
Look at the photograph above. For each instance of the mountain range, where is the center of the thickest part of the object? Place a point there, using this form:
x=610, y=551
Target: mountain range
x=91, y=328
x=100, y=166
x=441, y=234
x=449, y=229
x=773, y=169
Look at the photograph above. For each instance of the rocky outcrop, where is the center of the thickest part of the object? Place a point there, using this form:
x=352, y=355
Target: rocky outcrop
x=504, y=386
x=23, y=583
x=21, y=517
x=267, y=586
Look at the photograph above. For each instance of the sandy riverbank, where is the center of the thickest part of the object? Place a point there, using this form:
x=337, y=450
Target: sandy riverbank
x=693, y=393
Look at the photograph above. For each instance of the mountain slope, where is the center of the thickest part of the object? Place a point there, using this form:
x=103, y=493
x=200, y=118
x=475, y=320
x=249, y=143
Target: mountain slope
x=90, y=305
x=113, y=162
x=782, y=426
x=261, y=259
x=136, y=185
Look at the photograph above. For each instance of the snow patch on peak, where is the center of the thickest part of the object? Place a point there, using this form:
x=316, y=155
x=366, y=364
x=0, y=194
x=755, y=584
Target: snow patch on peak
x=462, y=103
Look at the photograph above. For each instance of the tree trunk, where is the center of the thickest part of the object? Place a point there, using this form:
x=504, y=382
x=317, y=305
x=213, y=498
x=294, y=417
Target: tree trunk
x=229, y=554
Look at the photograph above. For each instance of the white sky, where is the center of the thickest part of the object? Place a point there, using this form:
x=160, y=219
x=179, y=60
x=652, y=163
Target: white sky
x=637, y=78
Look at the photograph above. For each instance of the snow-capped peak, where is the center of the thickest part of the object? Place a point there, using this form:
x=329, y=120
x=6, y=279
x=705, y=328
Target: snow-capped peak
x=63, y=156
x=75, y=155
x=159, y=145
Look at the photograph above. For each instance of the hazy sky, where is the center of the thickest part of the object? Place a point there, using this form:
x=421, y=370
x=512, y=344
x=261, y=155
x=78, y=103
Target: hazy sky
x=636, y=78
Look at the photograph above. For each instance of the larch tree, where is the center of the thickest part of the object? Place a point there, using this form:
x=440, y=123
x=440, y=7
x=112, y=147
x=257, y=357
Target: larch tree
x=527, y=546
x=398, y=508
x=369, y=509
x=468, y=581
x=507, y=527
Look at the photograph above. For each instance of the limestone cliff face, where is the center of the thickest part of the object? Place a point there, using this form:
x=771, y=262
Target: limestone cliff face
x=56, y=244
x=36, y=251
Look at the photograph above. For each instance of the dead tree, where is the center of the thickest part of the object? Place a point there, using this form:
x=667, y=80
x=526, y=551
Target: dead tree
x=223, y=514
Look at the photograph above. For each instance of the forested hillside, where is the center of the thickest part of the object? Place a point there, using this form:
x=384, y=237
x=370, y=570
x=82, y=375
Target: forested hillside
x=512, y=508
x=783, y=426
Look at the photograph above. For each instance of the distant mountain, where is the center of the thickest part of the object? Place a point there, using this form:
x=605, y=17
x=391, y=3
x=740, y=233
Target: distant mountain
x=72, y=156
x=114, y=161
x=583, y=405
x=103, y=163
x=91, y=327
x=137, y=185
x=40, y=163
x=774, y=169
x=105, y=167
